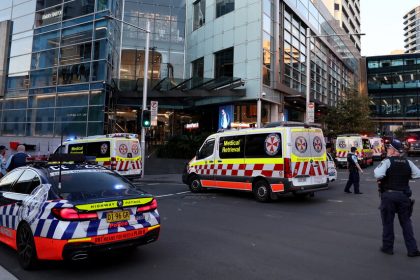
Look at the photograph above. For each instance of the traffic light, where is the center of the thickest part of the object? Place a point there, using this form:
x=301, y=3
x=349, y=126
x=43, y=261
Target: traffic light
x=146, y=118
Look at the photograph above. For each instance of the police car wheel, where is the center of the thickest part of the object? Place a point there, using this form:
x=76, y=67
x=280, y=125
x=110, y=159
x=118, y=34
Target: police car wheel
x=262, y=191
x=26, y=247
x=195, y=185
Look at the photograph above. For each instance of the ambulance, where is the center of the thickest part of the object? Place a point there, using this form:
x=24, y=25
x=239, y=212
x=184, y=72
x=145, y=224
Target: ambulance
x=378, y=148
x=363, y=149
x=283, y=157
x=120, y=152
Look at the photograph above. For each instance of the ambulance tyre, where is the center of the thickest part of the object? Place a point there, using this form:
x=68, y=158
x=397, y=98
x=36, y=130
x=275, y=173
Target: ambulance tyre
x=195, y=184
x=26, y=247
x=261, y=190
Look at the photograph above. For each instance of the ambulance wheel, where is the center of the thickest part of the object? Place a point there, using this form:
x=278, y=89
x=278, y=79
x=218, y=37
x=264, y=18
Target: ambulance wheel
x=261, y=191
x=26, y=247
x=195, y=184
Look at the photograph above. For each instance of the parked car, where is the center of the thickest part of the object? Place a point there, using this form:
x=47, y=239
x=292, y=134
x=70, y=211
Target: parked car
x=332, y=169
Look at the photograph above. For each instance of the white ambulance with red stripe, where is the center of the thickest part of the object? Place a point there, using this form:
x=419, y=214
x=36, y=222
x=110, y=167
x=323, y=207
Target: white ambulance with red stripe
x=119, y=151
x=285, y=157
x=378, y=148
x=363, y=149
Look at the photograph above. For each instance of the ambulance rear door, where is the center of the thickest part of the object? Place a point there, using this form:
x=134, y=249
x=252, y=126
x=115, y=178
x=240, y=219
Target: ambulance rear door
x=128, y=156
x=308, y=157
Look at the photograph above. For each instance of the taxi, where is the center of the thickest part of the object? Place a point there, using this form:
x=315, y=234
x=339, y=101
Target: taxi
x=70, y=211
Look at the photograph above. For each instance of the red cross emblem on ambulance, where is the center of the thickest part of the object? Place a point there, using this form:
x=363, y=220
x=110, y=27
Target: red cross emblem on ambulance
x=272, y=144
x=301, y=144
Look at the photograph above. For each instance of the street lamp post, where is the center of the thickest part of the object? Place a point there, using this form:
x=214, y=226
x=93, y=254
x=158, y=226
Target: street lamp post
x=308, y=63
x=146, y=70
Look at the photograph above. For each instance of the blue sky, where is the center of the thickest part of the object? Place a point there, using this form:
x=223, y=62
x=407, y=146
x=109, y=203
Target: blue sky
x=382, y=21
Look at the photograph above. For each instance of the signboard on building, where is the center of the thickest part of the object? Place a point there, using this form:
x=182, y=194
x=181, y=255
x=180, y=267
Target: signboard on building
x=154, y=112
x=311, y=112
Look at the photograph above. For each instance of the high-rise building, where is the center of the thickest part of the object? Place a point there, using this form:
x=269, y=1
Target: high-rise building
x=347, y=12
x=412, y=31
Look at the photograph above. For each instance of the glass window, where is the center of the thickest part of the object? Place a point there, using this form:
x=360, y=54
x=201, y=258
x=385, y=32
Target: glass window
x=21, y=46
x=20, y=63
x=74, y=129
x=77, y=34
x=18, y=81
x=75, y=73
x=78, y=8
x=42, y=4
x=5, y=14
x=27, y=182
x=46, y=41
x=76, y=53
x=71, y=114
x=13, y=116
x=101, y=29
x=13, y=128
x=103, y=5
x=95, y=128
x=23, y=23
x=99, y=70
x=45, y=59
x=24, y=9
x=198, y=68
x=40, y=115
x=72, y=99
x=40, y=129
x=263, y=145
x=224, y=6
x=43, y=78
x=231, y=147
x=48, y=16
x=97, y=149
x=41, y=101
x=96, y=113
x=199, y=14
x=7, y=182
x=224, y=63
x=15, y=103
x=206, y=150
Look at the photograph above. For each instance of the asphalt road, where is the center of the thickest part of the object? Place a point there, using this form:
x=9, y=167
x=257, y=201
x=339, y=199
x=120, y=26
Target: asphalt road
x=227, y=235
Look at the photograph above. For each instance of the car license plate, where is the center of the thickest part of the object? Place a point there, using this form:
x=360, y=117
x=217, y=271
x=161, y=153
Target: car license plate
x=342, y=159
x=301, y=180
x=117, y=216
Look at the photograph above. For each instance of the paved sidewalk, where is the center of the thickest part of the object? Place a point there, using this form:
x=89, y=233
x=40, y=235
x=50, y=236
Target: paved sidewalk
x=6, y=275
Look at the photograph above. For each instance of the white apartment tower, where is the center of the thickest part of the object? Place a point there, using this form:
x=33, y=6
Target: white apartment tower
x=412, y=30
x=347, y=13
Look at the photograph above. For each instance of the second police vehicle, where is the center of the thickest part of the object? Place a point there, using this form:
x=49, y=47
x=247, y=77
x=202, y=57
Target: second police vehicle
x=278, y=159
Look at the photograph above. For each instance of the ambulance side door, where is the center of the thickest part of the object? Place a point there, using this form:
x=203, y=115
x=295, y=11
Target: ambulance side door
x=204, y=163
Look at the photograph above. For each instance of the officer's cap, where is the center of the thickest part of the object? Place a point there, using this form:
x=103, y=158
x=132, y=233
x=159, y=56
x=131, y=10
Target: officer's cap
x=353, y=149
x=3, y=148
x=396, y=145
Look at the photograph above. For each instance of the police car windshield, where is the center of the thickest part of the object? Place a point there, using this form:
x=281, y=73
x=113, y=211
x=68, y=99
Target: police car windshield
x=84, y=183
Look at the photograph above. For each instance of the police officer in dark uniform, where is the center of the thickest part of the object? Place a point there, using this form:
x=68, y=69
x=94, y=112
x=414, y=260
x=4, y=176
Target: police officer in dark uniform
x=393, y=175
x=354, y=169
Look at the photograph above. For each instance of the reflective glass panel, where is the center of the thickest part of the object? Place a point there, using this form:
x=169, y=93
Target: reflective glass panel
x=45, y=59
x=78, y=8
x=24, y=9
x=76, y=53
x=21, y=46
x=46, y=41
x=75, y=73
x=20, y=63
x=77, y=34
x=42, y=78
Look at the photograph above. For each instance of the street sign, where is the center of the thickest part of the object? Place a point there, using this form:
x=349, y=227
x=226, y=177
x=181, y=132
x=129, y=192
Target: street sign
x=311, y=112
x=154, y=112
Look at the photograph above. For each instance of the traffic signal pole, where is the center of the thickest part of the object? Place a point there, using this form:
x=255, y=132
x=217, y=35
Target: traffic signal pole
x=144, y=107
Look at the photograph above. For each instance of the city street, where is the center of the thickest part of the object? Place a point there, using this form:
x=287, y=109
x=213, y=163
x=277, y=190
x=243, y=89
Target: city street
x=228, y=235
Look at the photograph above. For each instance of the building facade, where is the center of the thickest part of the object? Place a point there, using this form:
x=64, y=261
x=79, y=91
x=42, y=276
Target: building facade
x=347, y=12
x=69, y=69
x=393, y=85
x=264, y=43
x=412, y=30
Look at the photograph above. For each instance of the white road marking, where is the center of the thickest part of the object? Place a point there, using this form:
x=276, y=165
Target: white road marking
x=171, y=194
x=333, y=200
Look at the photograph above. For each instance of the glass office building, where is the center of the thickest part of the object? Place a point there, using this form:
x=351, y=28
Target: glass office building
x=62, y=55
x=393, y=84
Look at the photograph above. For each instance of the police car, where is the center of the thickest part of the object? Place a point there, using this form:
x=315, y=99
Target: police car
x=70, y=211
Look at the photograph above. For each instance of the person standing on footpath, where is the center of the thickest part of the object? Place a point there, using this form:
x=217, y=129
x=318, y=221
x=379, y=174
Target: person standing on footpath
x=2, y=160
x=17, y=160
x=354, y=169
x=393, y=175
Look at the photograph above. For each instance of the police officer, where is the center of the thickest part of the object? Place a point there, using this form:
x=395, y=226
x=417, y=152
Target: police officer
x=17, y=160
x=393, y=175
x=354, y=169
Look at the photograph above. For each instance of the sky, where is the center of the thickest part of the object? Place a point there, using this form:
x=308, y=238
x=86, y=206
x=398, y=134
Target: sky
x=382, y=21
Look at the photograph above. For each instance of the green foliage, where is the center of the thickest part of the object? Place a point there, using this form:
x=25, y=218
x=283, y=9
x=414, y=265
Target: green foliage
x=352, y=115
x=399, y=133
x=182, y=146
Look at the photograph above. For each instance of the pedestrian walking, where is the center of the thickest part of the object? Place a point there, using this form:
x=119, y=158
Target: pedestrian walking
x=354, y=169
x=393, y=175
x=17, y=160
x=3, y=160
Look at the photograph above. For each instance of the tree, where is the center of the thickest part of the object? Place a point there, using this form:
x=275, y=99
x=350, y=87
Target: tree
x=352, y=115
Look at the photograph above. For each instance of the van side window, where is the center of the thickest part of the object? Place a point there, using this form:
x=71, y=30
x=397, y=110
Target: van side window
x=366, y=144
x=263, y=145
x=206, y=150
x=231, y=147
x=97, y=149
